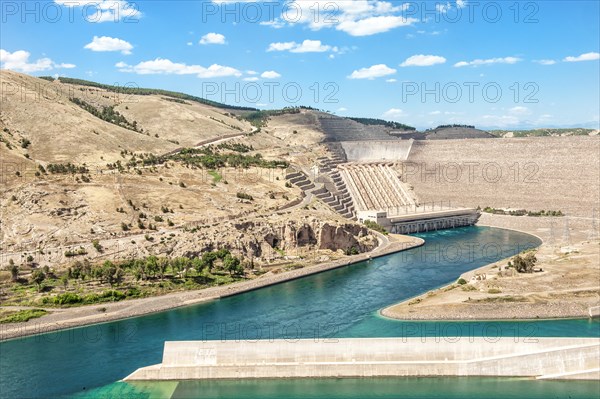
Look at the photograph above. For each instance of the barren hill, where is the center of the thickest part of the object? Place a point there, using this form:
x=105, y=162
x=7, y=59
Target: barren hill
x=62, y=131
x=83, y=162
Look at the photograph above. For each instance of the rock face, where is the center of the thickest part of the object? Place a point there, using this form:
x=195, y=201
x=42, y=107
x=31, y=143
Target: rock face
x=310, y=234
x=346, y=237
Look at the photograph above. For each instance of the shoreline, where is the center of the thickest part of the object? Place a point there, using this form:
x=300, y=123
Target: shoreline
x=446, y=303
x=68, y=318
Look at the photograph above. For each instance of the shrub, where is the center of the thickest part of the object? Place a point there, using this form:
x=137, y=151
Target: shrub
x=244, y=196
x=461, y=281
x=68, y=298
x=97, y=245
x=78, y=252
x=23, y=316
x=112, y=295
x=375, y=226
x=525, y=264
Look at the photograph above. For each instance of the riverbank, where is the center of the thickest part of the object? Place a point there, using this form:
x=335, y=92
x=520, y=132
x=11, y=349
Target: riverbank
x=566, y=288
x=65, y=318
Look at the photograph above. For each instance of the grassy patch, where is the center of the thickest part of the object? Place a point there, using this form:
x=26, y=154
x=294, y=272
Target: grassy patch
x=22, y=316
x=506, y=298
x=215, y=175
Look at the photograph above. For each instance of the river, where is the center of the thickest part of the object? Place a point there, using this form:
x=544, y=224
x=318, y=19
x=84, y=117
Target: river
x=88, y=361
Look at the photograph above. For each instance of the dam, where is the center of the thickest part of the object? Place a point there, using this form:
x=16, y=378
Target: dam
x=541, y=358
x=365, y=181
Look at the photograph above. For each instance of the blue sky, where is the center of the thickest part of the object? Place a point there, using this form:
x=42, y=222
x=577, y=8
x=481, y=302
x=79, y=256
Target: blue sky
x=491, y=64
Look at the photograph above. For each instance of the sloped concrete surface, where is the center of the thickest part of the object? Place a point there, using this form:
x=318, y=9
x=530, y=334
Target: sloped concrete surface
x=370, y=357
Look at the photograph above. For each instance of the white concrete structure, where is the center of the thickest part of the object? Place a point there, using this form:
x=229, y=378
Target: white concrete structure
x=377, y=151
x=371, y=357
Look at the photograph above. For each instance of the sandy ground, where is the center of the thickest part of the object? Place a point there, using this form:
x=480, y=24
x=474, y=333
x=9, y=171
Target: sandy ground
x=568, y=286
x=78, y=316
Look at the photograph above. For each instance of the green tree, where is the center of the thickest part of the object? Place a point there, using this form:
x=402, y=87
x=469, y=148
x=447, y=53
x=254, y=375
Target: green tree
x=64, y=279
x=525, y=264
x=209, y=259
x=14, y=271
x=199, y=265
x=186, y=264
x=232, y=265
x=38, y=277
x=163, y=263
x=152, y=265
x=109, y=273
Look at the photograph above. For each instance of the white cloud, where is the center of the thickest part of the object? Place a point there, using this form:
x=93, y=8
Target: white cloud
x=270, y=75
x=394, y=114
x=212, y=38
x=19, y=61
x=489, y=61
x=251, y=79
x=583, y=57
x=545, y=62
x=443, y=8
x=276, y=23
x=342, y=109
x=423, y=60
x=355, y=17
x=391, y=80
x=373, y=25
x=435, y=113
x=252, y=72
x=106, y=43
x=168, y=67
x=307, y=46
x=97, y=11
x=286, y=46
x=518, y=110
x=190, y=43
x=461, y=3
x=375, y=71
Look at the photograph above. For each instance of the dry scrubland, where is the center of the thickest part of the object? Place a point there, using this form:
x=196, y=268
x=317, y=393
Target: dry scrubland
x=568, y=285
x=551, y=173
x=165, y=209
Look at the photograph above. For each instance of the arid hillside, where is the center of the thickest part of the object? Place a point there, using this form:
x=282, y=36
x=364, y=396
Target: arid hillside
x=60, y=130
x=82, y=164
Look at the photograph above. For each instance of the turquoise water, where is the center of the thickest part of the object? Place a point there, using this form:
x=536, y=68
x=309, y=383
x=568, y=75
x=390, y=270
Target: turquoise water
x=350, y=388
x=340, y=303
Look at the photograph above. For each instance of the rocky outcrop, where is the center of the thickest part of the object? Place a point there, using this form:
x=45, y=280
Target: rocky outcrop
x=312, y=234
x=346, y=237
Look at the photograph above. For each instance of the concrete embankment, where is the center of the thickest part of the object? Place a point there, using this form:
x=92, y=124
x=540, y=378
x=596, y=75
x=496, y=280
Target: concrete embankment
x=556, y=358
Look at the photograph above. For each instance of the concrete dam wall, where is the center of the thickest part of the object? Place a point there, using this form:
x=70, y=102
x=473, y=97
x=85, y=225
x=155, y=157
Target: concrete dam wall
x=576, y=358
x=377, y=151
